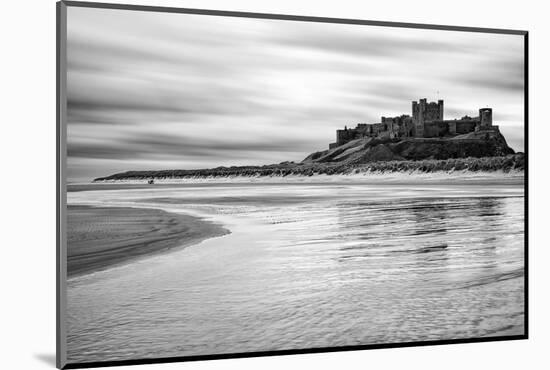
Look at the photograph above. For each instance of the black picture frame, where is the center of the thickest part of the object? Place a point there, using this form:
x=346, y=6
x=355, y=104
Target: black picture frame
x=61, y=185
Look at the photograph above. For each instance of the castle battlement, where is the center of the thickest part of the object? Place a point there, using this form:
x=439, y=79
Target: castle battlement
x=427, y=121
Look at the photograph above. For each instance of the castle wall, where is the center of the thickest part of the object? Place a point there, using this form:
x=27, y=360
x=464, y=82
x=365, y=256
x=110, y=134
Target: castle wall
x=452, y=127
x=343, y=136
x=380, y=127
x=427, y=120
x=463, y=127
x=436, y=129
x=408, y=127
x=371, y=129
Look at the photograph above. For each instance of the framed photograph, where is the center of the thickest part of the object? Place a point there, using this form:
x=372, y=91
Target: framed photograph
x=241, y=184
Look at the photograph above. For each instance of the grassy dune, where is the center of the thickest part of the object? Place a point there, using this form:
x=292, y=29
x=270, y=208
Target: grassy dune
x=512, y=162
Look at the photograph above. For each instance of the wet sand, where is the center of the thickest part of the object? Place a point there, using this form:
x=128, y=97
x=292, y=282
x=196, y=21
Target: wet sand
x=309, y=266
x=100, y=237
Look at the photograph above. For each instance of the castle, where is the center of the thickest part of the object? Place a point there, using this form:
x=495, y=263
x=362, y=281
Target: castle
x=427, y=121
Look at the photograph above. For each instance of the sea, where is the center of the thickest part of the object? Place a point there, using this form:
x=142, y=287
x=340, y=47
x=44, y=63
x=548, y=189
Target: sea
x=308, y=264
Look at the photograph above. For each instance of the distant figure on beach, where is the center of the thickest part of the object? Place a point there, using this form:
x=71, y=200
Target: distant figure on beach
x=151, y=181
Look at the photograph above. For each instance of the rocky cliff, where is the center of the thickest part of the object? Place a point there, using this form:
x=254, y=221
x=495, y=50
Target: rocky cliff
x=366, y=150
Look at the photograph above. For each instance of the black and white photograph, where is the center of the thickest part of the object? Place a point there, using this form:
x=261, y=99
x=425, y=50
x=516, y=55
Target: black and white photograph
x=243, y=185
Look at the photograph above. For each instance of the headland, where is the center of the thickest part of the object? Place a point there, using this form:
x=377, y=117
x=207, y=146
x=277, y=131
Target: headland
x=423, y=142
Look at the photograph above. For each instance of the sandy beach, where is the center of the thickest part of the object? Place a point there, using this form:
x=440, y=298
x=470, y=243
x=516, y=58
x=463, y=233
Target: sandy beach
x=339, y=263
x=100, y=237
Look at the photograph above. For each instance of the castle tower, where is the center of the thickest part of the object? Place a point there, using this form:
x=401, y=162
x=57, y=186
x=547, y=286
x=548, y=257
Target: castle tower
x=440, y=106
x=424, y=112
x=414, y=111
x=418, y=111
x=485, y=117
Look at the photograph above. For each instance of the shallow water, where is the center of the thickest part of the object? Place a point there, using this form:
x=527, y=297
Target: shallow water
x=309, y=265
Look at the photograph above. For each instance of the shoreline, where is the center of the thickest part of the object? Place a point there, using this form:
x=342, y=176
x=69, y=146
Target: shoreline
x=465, y=167
x=103, y=237
x=414, y=177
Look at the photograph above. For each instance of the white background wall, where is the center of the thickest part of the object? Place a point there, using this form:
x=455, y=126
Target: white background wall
x=28, y=183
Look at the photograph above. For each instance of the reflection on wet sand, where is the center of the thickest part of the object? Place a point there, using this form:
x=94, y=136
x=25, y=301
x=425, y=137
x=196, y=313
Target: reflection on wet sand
x=309, y=266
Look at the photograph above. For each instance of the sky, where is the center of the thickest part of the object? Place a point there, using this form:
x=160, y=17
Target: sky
x=148, y=91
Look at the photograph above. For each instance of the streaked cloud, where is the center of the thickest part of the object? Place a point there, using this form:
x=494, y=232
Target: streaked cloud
x=160, y=91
